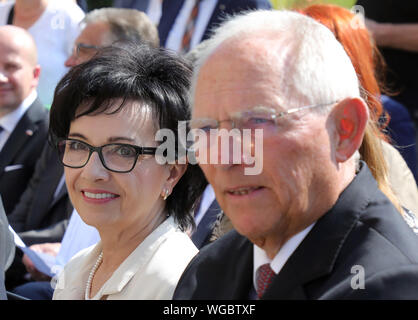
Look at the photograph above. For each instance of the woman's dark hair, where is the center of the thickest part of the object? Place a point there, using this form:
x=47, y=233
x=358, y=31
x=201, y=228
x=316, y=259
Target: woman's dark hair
x=132, y=72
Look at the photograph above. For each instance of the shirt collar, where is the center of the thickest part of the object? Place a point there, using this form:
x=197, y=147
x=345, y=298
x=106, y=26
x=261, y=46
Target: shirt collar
x=10, y=120
x=260, y=256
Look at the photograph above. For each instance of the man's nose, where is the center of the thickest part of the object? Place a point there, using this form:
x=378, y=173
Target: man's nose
x=71, y=61
x=3, y=77
x=227, y=148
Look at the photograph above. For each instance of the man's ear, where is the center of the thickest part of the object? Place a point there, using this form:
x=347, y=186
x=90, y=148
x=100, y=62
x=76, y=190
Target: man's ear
x=350, y=116
x=36, y=75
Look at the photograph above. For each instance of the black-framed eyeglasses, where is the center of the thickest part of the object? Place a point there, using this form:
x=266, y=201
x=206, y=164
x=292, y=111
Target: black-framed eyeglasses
x=115, y=157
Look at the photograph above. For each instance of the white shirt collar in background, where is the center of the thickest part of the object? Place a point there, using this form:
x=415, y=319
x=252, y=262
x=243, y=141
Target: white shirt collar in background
x=175, y=36
x=208, y=197
x=10, y=120
x=154, y=11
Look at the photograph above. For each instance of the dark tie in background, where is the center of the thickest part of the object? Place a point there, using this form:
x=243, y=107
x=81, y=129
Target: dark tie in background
x=190, y=27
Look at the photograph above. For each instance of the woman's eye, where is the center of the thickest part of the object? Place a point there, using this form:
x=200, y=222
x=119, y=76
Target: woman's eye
x=125, y=151
x=77, y=146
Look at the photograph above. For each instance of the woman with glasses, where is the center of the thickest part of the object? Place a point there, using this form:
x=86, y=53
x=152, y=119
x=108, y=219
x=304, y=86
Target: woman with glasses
x=104, y=119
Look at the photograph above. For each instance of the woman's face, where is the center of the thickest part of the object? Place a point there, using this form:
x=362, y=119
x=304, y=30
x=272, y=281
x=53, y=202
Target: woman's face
x=119, y=200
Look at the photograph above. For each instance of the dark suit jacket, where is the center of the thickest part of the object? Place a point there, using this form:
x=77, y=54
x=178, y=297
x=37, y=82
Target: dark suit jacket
x=203, y=233
x=132, y=4
x=171, y=9
x=362, y=229
x=23, y=147
x=39, y=217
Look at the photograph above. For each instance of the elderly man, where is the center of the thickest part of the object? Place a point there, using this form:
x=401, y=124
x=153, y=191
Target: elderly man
x=312, y=224
x=23, y=119
x=41, y=217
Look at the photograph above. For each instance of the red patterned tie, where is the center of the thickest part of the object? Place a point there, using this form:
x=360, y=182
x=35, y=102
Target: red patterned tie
x=264, y=277
x=190, y=26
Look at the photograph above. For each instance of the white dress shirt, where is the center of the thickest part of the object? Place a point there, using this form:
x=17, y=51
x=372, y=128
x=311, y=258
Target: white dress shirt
x=150, y=272
x=154, y=11
x=175, y=36
x=54, y=33
x=260, y=256
x=10, y=120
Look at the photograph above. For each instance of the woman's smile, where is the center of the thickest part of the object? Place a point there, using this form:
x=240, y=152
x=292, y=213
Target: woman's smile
x=98, y=196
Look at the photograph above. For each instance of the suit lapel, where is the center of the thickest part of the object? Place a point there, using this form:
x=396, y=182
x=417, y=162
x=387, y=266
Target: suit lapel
x=237, y=279
x=62, y=192
x=24, y=130
x=314, y=258
x=316, y=255
x=58, y=172
x=44, y=200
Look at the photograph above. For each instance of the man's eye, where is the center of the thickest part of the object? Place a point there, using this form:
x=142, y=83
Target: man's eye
x=11, y=67
x=259, y=121
x=207, y=128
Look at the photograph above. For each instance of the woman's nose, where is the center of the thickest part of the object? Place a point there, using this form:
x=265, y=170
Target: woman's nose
x=94, y=169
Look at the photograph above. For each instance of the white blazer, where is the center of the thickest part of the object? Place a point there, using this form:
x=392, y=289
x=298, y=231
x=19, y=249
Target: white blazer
x=150, y=272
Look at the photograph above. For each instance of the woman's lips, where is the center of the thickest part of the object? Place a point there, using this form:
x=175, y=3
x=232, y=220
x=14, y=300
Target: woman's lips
x=98, y=196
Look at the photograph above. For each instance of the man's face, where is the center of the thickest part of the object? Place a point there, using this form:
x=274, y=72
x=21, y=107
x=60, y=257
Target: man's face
x=93, y=35
x=285, y=198
x=18, y=72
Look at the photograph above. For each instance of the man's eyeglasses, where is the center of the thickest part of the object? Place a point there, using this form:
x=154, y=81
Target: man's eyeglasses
x=84, y=49
x=257, y=118
x=116, y=157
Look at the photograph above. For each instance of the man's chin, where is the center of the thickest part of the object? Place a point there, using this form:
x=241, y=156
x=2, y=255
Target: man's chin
x=249, y=228
x=6, y=104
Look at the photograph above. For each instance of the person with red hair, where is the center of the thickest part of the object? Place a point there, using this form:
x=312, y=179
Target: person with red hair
x=393, y=176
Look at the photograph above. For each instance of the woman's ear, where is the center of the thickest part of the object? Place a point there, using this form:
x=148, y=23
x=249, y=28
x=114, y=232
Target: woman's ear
x=176, y=171
x=350, y=116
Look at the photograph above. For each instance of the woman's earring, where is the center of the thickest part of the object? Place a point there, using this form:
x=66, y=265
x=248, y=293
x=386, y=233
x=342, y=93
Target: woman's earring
x=165, y=194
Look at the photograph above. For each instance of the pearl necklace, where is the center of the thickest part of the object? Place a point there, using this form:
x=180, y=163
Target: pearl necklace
x=91, y=276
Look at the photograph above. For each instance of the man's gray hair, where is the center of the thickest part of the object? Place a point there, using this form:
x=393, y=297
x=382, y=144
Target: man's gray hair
x=125, y=25
x=314, y=68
